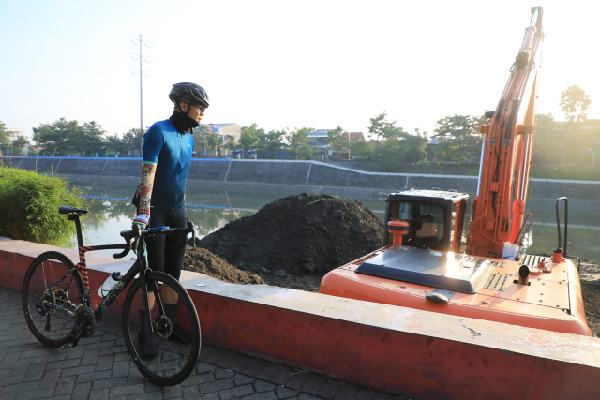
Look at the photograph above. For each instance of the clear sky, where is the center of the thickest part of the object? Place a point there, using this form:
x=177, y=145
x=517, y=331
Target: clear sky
x=283, y=63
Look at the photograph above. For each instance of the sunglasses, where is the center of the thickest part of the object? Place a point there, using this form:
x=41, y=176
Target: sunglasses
x=201, y=107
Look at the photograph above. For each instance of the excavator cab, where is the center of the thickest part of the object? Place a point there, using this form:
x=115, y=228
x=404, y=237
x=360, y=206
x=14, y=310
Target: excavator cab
x=435, y=218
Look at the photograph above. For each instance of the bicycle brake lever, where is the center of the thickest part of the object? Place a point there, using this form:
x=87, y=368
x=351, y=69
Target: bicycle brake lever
x=192, y=228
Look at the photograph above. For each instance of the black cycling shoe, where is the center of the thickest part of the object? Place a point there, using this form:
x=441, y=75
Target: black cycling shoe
x=148, y=346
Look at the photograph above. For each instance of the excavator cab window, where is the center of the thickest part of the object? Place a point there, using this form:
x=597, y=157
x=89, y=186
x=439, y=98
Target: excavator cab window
x=435, y=218
x=426, y=224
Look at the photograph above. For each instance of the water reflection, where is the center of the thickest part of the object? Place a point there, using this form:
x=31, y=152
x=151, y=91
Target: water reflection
x=111, y=212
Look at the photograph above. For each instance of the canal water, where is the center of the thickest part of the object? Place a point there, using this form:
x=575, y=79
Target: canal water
x=211, y=209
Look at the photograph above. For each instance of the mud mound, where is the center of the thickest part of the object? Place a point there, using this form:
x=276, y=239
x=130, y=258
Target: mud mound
x=298, y=235
x=590, y=286
x=205, y=262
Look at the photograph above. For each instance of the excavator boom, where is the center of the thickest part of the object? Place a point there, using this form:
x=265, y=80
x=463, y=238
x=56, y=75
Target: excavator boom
x=505, y=170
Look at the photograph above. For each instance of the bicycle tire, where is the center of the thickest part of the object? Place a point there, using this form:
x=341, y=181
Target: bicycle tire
x=48, y=293
x=158, y=369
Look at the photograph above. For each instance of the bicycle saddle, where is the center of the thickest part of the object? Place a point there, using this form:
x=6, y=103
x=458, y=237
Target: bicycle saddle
x=71, y=210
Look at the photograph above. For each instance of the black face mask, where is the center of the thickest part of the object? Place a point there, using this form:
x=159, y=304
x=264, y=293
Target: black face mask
x=182, y=122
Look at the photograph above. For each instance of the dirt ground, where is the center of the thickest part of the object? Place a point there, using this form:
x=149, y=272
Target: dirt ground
x=201, y=260
x=292, y=242
x=590, y=285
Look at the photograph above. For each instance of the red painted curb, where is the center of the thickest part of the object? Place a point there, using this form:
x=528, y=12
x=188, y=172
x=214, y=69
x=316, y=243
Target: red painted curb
x=417, y=353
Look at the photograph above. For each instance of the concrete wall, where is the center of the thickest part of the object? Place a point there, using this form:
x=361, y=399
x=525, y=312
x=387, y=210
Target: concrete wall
x=298, y=173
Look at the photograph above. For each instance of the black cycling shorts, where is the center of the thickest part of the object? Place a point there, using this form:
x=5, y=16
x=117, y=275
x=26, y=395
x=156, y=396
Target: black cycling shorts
x=166, y=252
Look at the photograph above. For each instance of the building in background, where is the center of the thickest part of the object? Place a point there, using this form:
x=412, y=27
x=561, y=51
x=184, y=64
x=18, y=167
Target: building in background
x=14, y=143
x=226, y=134
x=318, y=139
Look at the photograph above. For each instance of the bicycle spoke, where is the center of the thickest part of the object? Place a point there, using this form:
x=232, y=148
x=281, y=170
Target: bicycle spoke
x=165, y=351
x=50, y=299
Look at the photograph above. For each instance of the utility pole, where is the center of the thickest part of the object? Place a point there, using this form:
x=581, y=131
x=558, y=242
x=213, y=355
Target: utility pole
x=141, y=89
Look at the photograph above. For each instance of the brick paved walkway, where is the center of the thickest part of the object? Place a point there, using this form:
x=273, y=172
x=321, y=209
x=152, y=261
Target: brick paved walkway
x=100, y=368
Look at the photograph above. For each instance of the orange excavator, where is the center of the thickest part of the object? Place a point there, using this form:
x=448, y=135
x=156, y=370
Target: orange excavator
x=425, y=264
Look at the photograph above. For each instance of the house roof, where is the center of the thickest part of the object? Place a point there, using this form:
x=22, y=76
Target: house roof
x=354, y=136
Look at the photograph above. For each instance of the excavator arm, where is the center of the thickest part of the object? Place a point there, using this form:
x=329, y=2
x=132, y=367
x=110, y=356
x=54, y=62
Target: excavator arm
x=505, y=170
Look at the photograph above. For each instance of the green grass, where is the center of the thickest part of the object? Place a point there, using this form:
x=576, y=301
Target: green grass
x=29, y=205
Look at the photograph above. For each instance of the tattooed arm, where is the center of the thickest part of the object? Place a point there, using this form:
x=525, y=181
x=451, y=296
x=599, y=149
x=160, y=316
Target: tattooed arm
x=145, y=188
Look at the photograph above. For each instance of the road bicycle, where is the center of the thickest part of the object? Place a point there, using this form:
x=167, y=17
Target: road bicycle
x=59, y=311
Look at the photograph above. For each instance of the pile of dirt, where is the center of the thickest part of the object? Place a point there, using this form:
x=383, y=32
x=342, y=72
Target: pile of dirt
x=303, y=235
x=590, y=287
x=203, y=261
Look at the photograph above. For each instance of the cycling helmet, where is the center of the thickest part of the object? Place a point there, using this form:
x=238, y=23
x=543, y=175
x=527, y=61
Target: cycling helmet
x=189, y=91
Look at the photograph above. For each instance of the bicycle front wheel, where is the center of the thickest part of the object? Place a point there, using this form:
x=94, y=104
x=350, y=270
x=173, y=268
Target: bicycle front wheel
x=52, y=294
x=164, y=340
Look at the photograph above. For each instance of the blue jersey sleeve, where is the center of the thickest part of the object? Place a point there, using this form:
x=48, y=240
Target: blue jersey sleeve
x=153, y=142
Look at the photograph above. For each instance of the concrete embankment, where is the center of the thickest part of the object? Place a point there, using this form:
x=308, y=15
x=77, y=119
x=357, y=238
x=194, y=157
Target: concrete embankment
x=294, y=173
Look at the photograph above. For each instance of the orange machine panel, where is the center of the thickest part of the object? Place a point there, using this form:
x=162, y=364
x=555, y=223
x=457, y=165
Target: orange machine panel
x=544, y=300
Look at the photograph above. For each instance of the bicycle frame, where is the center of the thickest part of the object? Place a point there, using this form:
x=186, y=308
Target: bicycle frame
x=81, y=267
x=139, y=266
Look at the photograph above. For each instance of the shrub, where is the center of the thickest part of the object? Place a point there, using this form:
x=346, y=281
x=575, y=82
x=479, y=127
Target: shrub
x=30, y=203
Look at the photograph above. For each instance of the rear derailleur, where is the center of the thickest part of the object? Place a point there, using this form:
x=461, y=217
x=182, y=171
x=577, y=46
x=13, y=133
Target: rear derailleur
x=85, y=324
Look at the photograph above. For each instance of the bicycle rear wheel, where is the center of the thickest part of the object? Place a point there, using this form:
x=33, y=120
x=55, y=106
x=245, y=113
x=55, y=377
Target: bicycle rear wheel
x=173, y=341
x=52, y=294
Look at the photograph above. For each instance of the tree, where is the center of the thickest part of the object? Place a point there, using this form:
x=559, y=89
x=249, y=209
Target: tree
x=459, y=137
x=249, y=137
x=3, y=136
x=340, y=143
x=116, y=146
x=133, y=140
x=3, y=133
x=207, y=142
x=91, y=140
x=386, y=130
x=271, y=142
x=57, y=138
x=575, y=103
x=213, y=143
x=363, y=149
x=64, y=137
x=229, y=145
x=18, y=144
x=299, y=147
x=392, y=155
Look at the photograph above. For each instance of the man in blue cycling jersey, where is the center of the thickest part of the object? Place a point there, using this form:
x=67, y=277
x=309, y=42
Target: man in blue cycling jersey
x=167, y=151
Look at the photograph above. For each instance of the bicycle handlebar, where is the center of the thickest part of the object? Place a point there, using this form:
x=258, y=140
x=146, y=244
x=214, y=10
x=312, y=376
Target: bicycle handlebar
x=137, y=233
